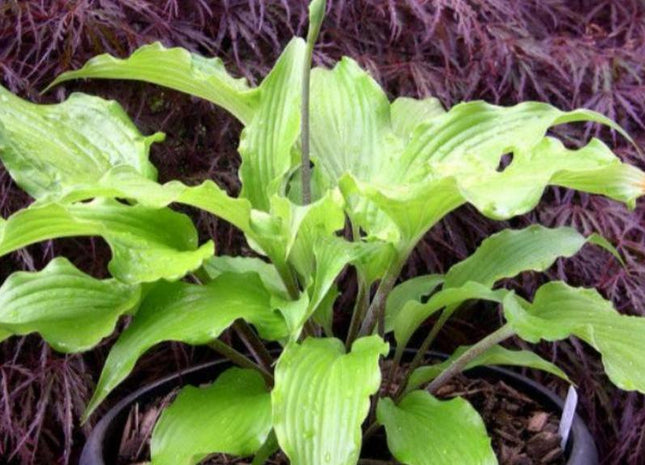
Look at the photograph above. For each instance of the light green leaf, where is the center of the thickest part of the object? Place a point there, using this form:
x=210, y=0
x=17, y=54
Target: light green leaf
x=123, y=182
x=422, y=430
x=496, y=355
x=321, y=397
x=559, y=311
x=518, y=189
x=512, y=251
x=306, y=225
x=453, y=158
x=147, y=244
x=408, y=113
x=47, y=148
x=411, y=290
x=216, y=266
x=177, y=69
x=350, y=127
x=410, y=210
x=474, y=135
x=231, y=416
x=373, y=259
x=192, y=314
x=267, y=141
x=71, y=310
x=413, y=313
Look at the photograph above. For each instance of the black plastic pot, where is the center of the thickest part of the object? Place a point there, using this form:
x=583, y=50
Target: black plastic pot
x=102, y=445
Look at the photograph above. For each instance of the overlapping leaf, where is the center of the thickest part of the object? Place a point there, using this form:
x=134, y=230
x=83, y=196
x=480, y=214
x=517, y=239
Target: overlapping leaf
x=321, y=397
x=231, y=416
x=267, y=141
x=413, y=313
x=415, y=164
x=559, y=311
x=422, y=430
x=502, y=255
x=48, y=148
x=512, y=251
x=147, y=244
x=178, y=69
x=194, y=314
x=71, y=310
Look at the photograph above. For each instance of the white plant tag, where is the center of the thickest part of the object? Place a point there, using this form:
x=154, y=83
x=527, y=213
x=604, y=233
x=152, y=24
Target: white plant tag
x=568, y=412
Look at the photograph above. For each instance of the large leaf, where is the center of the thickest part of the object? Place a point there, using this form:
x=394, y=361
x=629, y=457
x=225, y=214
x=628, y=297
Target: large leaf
x=178, y=69
x=474, y=135
x=192, y=314
x=271, y=112
x=147, y=244
x=71, y=310
x=453, y=158
x=512, y=251
x=321, y=397
x=407, y=114
x=267, y=141
x=48, y=148
x=123, y=182
x=350, y=127
x=422, y=430
x=496, y=355
x=231, y=416
x=413, y=313
x=559, y=311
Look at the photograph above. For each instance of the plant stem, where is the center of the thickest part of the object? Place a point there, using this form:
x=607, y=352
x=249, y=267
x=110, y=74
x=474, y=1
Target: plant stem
x=376, y=312
x=286, y=274
x=316, y=14
x=360, y=307
x=253, y=344
x=239, y=359
x=423, y=349
x=475, y=351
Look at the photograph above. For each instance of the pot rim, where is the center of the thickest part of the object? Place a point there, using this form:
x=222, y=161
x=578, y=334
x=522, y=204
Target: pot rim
x=581, y=448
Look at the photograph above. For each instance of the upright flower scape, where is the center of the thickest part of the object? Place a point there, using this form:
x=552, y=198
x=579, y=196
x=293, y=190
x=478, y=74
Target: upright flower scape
x=381, y=174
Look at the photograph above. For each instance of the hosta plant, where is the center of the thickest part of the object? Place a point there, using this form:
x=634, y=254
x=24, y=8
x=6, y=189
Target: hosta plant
x=334, y=175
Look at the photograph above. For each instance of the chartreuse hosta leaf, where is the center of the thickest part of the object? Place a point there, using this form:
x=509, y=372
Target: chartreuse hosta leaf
x=423, y=430
x=267, y=140
x=559, y=311
x=512, y=251
x=177, y=69
x=71, y=310
x=271, y=112
x=496, y=355
x=47, y=148
x=407, y=113
x=502, y=255
x=218, y=265
x=413, y=313
x=194, y=314
x=147, y=244
x=437, y=161
x=231, y=416
x=321, y=397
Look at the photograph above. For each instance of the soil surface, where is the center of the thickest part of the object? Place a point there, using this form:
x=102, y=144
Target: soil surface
x=523, y=432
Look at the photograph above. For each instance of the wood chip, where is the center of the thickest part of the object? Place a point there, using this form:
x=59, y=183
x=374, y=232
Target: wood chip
x=537, y=422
